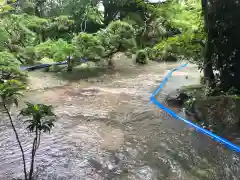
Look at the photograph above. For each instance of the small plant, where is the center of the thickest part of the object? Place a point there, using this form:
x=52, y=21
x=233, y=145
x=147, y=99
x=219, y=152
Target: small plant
x=151, y=53
x=40, y=118
x=232, y=91
x=189, y=104
x=141, y=57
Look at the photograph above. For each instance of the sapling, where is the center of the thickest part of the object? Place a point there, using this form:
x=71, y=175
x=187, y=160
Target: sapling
x=39, y=118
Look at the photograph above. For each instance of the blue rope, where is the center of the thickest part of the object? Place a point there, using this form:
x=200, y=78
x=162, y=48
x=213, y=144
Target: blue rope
x=173, y=114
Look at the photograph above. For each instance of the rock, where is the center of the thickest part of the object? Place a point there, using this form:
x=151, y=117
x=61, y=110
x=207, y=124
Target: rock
x=220, y=109
x=170, y=58
x=176, y=98
x=222, y=113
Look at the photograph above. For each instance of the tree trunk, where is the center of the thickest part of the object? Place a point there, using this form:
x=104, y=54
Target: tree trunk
x=209, y=78
x=34, y=149
x=110, y=63
x=32, y=159
x=69, y=65
x=230, y=76
x=18, y=140
x=225, y=22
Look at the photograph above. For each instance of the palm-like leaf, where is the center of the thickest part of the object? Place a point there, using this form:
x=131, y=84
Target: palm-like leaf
x=42, y=117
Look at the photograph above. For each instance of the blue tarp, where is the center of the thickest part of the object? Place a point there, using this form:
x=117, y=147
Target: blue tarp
x=40, y=66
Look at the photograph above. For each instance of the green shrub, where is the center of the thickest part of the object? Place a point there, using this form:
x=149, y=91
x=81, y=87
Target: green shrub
x=10, y=68
x=57, y=50
x=27, y=55
x=88, y=46
x=141, y=57
x=151, y=53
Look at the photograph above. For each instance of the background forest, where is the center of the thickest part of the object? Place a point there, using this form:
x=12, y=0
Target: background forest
x=44, y=31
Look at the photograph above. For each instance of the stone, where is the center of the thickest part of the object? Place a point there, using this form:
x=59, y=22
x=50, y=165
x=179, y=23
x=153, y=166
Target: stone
x=222, y=112
x=176, y=98
x=170, y=58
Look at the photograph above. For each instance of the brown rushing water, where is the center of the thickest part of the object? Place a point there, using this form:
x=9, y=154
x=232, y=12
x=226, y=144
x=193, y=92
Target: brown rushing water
x=107, y=130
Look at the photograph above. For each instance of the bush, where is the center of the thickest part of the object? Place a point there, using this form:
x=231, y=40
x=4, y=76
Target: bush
x=88, y=46
x=122, y=35
x=117, y=37
x=57, y=50
x=186, y=45
x=153, y=54
x=27, y=55
x=141, y=57
x=10, y=67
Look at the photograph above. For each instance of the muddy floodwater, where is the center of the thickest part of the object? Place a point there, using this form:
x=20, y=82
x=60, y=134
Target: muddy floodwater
x=108, y=130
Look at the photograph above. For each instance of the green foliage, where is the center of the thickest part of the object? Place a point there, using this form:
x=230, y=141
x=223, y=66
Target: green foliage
x=10, y=90
x=27, y=55
x=186, y=16
x=5, y=7
x=46, y=49
x=40, y=31
x=182, y=45
x=134, y=19
x=41, y=116
x=141, y=57
x=56, y=50
x=63, y=23
x=34, y=23
x=3, y=38
x=92, y=14
x=59, y=27
x=117, y=37
x=28, y=7
x=44, y=28
x=10, y=67
x=153, y=54
x=88, y=46
x=122, y=35
x=14, y=35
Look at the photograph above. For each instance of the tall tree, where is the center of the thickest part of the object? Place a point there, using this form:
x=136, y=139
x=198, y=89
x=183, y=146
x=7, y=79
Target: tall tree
x=223, y=47
x=208, y=50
